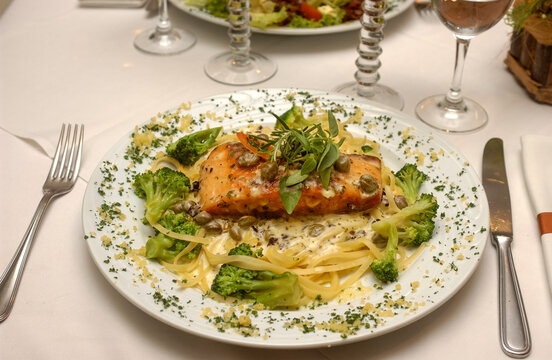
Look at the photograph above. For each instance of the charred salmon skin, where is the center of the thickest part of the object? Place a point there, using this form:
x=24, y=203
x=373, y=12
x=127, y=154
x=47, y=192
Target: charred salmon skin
x=226, y=188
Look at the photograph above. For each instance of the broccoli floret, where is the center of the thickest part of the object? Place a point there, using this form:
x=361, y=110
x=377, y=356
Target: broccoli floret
x=293, y=118
x=188, y=149
x=414, y=223
x=161, y=190
x=242, y=249
x=385, y=269
x=265, y=287
x=181, y=223
x=163, y=247
x=409, y=179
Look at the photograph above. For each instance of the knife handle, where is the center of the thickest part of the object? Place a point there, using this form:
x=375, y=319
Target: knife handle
x=514, y=329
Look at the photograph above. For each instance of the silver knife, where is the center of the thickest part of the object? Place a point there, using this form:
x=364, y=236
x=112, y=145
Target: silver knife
x=514, y=329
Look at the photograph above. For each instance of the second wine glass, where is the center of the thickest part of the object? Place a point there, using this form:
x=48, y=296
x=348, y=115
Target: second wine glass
x=164, y=39
x=452, y=112
x=239, y=66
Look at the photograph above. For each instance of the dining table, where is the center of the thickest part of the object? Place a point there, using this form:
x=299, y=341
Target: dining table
x=64, y=62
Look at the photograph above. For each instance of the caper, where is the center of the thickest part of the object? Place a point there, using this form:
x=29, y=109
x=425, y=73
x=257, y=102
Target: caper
x=248, y=159
x=315, y=229
x=368, y=184
x=269, y=171
x=246, y=221
x=213, y=226
x=235, y=233
x=194, y=209
x=401, y=201
x=180, y=206
x=203, y=218
x=188, y=206
x=342, y=164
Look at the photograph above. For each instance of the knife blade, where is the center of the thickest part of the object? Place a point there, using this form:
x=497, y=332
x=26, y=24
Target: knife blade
x=514, y=328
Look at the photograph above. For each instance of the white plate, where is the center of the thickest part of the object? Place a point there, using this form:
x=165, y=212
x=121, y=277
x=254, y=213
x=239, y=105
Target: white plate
x=440, y=271
x=399, y=6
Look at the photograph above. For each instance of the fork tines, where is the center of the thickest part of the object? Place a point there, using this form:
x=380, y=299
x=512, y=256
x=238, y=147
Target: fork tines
x=66, y=163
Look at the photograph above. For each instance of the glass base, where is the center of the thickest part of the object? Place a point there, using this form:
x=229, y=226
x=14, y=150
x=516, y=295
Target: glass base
x=377, y=93
x=224, y=69
x=159, y=43
x=455, y=118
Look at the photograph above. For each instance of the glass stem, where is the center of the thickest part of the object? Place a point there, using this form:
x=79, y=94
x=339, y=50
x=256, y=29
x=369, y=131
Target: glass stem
x=369, y=49
x=239, y=31
x=454, y=95
x=164, y=24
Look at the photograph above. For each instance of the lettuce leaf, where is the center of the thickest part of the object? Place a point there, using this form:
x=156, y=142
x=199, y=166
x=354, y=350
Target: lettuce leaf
x=327, y=20
x=263, y=21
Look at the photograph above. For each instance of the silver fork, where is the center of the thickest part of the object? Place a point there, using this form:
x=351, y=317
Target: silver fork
x=61, y=179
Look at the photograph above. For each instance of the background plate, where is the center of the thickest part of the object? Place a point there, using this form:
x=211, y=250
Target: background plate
x=399, y=6
x=440, y=271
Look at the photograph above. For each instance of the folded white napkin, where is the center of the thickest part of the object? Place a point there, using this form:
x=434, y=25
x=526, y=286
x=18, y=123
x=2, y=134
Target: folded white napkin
x=537, y=166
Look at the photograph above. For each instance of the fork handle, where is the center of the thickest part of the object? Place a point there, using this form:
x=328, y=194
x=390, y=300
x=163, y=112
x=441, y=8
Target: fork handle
x=9, y=282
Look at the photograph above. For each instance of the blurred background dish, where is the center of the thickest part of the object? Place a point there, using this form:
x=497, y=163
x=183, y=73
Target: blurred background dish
x=395, y=7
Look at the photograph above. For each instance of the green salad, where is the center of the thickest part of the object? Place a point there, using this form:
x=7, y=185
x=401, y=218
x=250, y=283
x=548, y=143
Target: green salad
x=292, y=13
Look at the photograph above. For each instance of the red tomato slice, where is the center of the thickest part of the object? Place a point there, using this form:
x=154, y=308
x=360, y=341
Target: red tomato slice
x=310, y=12
x=244, y=139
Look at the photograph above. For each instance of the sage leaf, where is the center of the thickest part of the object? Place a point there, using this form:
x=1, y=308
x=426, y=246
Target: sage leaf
x=329, y=158
x=325, y=177
x=303, y=140
x=296, y=178
x=289, y=195
x=324, y=153
x=309, y=165
x=332, y=122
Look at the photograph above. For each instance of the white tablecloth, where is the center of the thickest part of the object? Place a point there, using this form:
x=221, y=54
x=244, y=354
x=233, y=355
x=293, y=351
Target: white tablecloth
x=61, y=63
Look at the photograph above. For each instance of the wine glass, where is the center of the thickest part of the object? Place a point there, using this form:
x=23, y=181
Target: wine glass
x=164, y=39
x=371, y=34
x=239, y=66
x=465, y=18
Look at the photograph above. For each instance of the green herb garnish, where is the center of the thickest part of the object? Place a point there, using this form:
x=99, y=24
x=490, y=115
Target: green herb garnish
x=303, y=151
x=366, y=148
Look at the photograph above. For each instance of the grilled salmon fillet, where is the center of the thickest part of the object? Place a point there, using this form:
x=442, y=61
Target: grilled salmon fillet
x=228, y=189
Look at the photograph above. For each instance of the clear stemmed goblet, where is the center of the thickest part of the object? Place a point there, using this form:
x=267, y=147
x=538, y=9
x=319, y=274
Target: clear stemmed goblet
x=371, y=34
x=239, y=66
x=465, y=18
x=164, y=39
